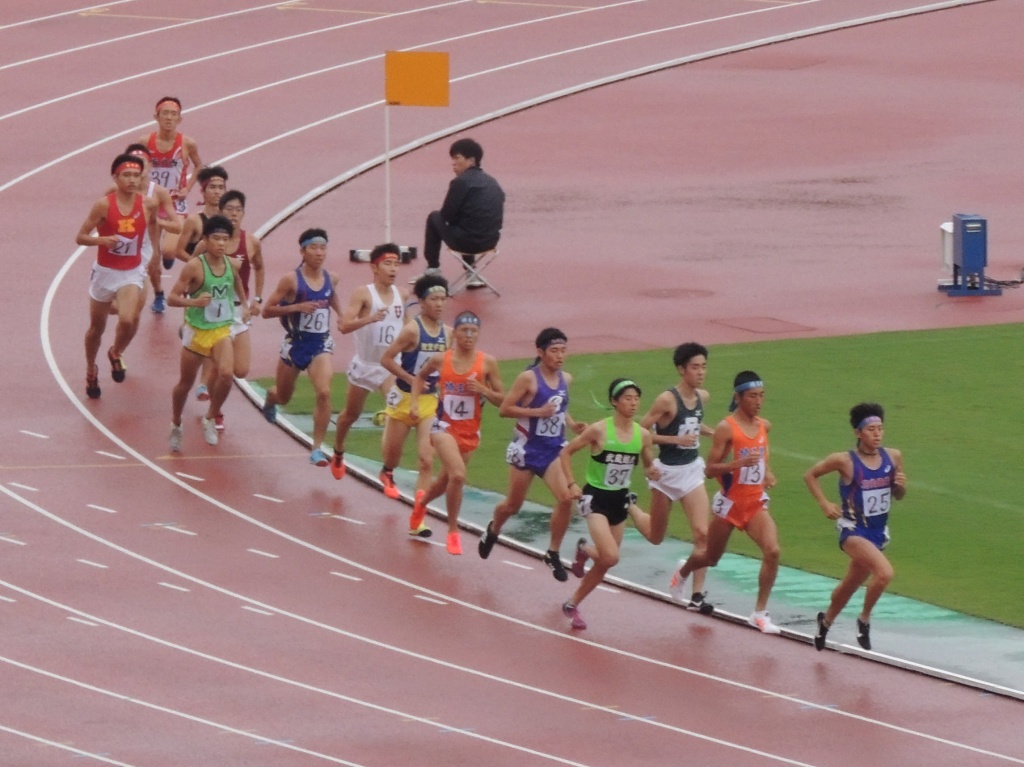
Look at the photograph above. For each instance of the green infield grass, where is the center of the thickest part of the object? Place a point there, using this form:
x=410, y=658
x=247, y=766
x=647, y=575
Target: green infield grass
x=951, y=407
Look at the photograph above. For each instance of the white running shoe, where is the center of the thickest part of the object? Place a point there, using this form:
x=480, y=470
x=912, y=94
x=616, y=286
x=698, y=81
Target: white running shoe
x=677, y=585
x=763, y=623
x=210, y=431
x=176, y=434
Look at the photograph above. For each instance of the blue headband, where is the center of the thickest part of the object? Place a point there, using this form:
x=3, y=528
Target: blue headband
x=466, y=319
x=871, y=419
x=740, y=388
x=313, y=240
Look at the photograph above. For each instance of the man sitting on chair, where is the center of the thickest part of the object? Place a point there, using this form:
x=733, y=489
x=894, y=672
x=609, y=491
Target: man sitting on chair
x=470, y=218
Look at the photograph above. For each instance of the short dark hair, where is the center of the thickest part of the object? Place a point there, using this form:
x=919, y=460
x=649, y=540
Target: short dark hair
x=388, y=248
x=865, y=410
x=686, y=352
x=175, y=99
x=123, y=158
x=137, y=148
x=744, y=377
x=309, y=234
x=228, y=196
x=211, y=171
x=218, y=223
x=468, y=148
x=548, y=336
x=423, y=285
x=616, y=388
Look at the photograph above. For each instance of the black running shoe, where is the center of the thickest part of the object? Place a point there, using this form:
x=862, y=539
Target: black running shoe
x=700, y=604
x=553, y=560
x=819, y=638
x=864, y=634
x=487, y=541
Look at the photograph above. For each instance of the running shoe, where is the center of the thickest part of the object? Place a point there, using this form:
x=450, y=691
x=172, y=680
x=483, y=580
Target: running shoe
x=218, y=421
x=117, y=366
x=699, y=603
x=159, y=304
x=92, y=384
x=210, y=431
x=819, y=638
x=553, y=560
x=319, y=458
x=475, y=283
x=202, y=393
x=269, y=411
x=176, y=435
x=419, y=511
x=580, y=559
x=763, y=622
x=864, y=634
x=678, y=582
x=487, y=541
x=421, y=532
x=338, y=465
x=379, y=418
x=387, y=479
x=572, y=612
x=454, y=544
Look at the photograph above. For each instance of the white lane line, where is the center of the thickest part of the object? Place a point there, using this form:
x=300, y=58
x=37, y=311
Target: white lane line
x=34, y=434
x=263, y=553
x=176, y=529
x=174, y=586
x=165, y=710
x=430, y=599
x=178, y=65
x=14, y=24
x=7, y=599
x=516, y=564
x=93, y=564
x=62, y=746
x=191, y=477
x=24, y=487
x=346, y=576
x=82, y=621
x=100, y=508
x=144, y=33
x=115, y=456
x=267, y=498
x=609, y=589
x=15, y=541
x=252, y=609
x=348, y=519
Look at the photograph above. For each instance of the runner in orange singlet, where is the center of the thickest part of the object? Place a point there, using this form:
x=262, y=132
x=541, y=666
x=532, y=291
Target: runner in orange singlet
x=467, y=379
x=742, y=503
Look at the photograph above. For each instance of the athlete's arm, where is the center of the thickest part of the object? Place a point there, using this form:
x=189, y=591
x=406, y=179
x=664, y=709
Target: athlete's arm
x=353, y=317
x=171, y=221
x=190, y=279
x=899, y=481
x=188, y=231
x=419, y=384
x=647, y=455
x=283, y=293
x=405, y=341
x=258, y=274
x=96, y=214
x=720, y=447
x=190, y=149
x=494, y=390
x=837, y=462
x=523, y=389
x=236, y=268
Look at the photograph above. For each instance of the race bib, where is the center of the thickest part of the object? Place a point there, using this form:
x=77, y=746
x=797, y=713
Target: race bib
x=218, y=310
x=720, y=506
x=617, y=475
x=459, y=407
x=690, y=427
x=315, y=322
x=876, y=501
x=552, y=426
x=125, y=246
x=752, y=475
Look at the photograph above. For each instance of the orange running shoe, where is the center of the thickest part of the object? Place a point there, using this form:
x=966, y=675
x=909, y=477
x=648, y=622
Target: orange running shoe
x=387, y=479
x=419, y=511
x=454, y=544
x=338, y=465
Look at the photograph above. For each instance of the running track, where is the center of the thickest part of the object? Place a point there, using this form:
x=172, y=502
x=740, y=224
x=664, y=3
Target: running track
x=233, y=606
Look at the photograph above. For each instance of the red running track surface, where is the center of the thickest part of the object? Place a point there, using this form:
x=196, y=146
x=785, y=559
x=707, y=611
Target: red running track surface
x=234, y=605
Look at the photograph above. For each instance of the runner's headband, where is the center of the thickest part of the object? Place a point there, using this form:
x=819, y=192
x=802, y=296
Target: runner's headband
x=125, y=164
x=466, y=318
x=621, y=385
x=436, y=289
x=218, y=230
x=869, y=421
x=384, y=257
x=553, y=341
x=313, y=241
x=168, y=102
x=749, y=385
